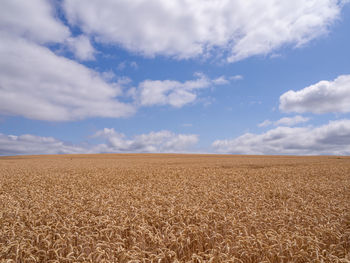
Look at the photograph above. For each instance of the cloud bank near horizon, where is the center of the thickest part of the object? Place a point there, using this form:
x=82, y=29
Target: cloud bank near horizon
x=154, y=142
x=329, y=139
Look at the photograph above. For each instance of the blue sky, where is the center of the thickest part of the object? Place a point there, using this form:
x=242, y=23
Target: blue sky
x=161, y=76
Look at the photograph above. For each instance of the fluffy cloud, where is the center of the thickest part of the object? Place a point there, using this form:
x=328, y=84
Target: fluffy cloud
x=30, y=144
x=184, y=29
x=332, y=138
x=81, y=47
x=322, y=97
x=174, y=93
x=33, y=19
x=162, y=141
x=286, y=121
x=38, y=84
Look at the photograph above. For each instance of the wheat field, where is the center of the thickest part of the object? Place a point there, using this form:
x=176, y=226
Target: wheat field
x=174, y=208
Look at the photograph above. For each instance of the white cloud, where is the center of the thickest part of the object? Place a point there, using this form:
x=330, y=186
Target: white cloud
x=236, y=77
x=174, y=93
x=30, y=144
x=38, y=84
x=34, y=19
x=265, y=123
x=162, y=141
x=332, y=138
x=184, y=29
x=153, y=142
x=220, y=81
x=81, y=47
x=286, y=121
x=322, y=97
x=291, y=121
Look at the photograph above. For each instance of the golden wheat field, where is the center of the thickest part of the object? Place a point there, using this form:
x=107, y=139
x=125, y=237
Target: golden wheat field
x=174, y=208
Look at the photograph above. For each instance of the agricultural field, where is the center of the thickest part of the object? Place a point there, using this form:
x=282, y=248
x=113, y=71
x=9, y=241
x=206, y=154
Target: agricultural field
x=174, y=208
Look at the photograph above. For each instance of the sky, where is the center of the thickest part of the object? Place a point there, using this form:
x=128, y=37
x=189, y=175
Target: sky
x=186, y=76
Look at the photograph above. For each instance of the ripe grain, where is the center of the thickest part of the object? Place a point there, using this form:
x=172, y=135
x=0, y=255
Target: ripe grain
x=174, y=208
